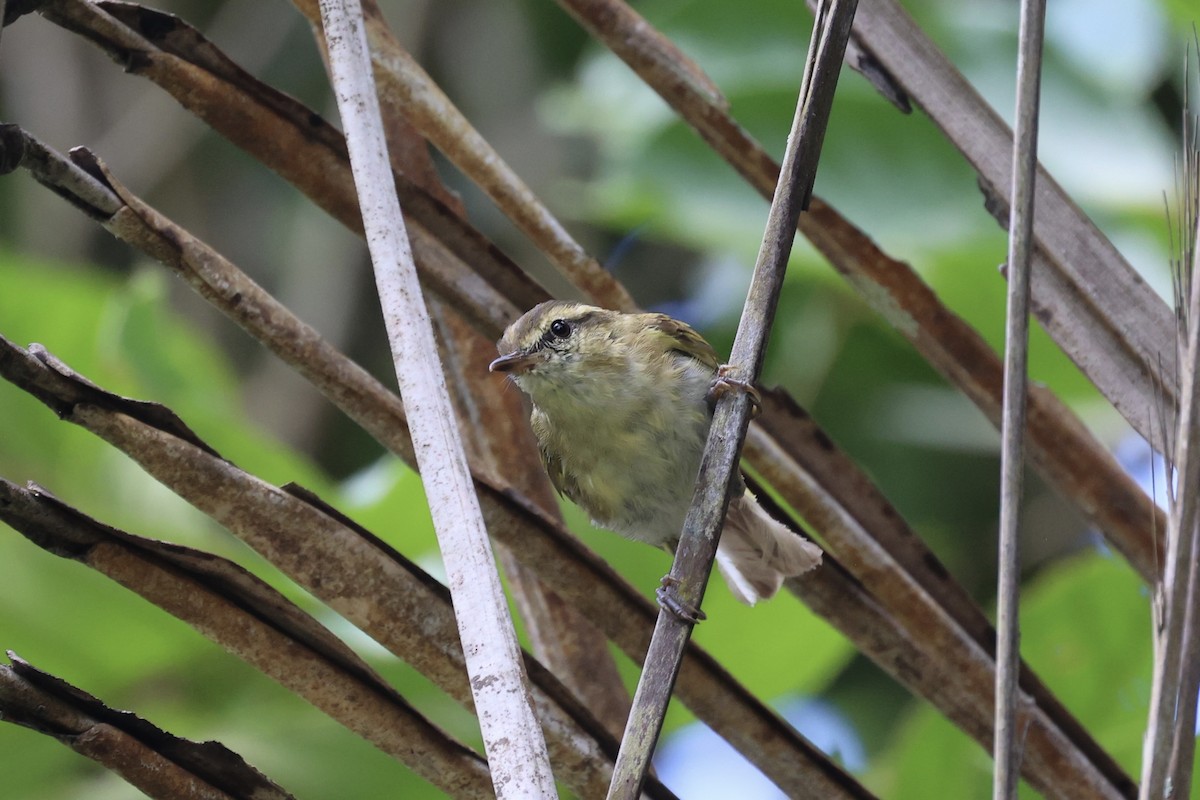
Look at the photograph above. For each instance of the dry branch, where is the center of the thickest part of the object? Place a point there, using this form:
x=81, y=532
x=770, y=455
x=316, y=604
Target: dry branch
x=159, y=764
x=254, y=622
x=512, y=737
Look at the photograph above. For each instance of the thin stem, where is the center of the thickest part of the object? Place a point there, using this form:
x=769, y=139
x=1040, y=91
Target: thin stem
x=512, y=736
x=697, y=547
x=1169, y=748
x=1012, y=428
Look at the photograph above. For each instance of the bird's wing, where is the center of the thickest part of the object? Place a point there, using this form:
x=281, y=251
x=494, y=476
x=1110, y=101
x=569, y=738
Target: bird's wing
x=557, y=474
x=550, y=460
x=684, y=339
x=598, y=501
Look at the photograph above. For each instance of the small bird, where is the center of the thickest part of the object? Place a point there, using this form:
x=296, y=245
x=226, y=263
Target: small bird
x=622, y=404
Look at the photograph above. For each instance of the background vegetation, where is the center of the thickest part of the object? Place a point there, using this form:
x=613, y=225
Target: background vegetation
x=680, y=230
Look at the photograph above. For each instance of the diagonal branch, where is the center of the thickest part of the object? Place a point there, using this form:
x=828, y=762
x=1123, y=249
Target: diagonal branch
x=718, y=468
x=157, y=763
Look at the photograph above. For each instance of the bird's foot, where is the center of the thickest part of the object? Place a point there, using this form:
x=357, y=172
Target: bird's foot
x=724, y=383
x=669, y=599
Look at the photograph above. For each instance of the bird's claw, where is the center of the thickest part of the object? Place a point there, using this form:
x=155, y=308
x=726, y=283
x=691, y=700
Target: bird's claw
x=724, y=383
x=669, y=599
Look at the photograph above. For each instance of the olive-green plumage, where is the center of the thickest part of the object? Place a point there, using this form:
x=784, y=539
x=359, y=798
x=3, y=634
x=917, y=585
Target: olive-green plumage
x=621, y=413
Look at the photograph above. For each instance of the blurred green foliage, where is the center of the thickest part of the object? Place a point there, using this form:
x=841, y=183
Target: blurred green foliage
x=681, y=230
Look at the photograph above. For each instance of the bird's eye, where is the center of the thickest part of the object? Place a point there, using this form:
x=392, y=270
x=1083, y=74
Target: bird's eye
x=560, y=328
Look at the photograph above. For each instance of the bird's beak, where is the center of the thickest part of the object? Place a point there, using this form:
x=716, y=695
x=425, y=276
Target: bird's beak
x=517, y=362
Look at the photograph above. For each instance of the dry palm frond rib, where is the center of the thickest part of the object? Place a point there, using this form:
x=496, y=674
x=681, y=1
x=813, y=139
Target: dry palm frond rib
x=161, y=765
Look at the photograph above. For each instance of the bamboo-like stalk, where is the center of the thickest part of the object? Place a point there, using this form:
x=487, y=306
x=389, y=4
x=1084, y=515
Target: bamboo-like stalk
x=718, y=467
x=1183, y=748
x=512, y=737
x=1167, y=694
x=1009, y=733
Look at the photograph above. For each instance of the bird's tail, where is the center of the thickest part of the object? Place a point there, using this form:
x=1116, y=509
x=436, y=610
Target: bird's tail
x=757, y=552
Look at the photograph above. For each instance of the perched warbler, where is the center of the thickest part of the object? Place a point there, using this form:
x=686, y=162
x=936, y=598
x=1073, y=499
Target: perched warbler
x=621, y=412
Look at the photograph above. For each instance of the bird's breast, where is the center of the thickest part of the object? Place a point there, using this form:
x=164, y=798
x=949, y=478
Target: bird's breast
x=630, y=460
